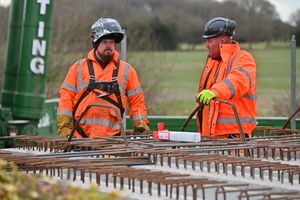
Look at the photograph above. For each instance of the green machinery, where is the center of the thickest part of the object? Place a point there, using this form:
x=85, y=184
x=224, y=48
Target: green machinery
x=23, y=92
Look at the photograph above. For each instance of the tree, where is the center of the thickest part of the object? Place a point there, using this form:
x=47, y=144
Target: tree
x=295, y=19
x=256, y=22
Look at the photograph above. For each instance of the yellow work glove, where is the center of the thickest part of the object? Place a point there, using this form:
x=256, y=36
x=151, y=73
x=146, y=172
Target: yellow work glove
x=140, y=127
x=64, y=125
x=205, y=96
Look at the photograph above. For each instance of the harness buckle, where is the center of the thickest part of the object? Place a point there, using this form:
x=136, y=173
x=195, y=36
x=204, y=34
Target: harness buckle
x=102, y=95
x=114, y=79
x=92, y=77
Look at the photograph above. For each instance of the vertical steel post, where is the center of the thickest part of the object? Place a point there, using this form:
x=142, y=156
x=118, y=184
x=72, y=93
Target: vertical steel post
x=123, y=57
x=29, y=96
x=293, y=80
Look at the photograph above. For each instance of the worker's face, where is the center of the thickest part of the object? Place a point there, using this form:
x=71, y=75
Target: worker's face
x=106, y=49
x=213, y=46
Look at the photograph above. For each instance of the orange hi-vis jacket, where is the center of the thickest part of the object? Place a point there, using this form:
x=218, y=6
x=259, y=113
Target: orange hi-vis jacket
x=101, y=121
x=233, y=78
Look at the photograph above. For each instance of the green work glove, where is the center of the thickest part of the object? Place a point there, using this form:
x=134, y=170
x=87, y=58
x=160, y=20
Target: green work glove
x=205, y=96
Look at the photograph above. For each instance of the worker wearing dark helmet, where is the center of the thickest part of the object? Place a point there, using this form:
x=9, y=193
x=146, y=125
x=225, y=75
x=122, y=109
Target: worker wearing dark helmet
x=229, y=74
x=101, y=78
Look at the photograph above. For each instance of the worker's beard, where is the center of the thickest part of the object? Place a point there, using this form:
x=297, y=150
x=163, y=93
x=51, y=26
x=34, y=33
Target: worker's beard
x=107, y=55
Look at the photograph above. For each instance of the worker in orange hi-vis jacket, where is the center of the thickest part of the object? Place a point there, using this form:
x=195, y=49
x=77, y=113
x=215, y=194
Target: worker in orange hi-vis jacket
x=229, y=74
x=101, y=78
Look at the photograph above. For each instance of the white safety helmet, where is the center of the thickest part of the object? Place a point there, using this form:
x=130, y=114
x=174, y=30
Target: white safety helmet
x=106, y=26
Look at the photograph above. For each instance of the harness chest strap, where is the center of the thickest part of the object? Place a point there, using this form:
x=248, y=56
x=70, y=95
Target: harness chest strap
x=111, y=87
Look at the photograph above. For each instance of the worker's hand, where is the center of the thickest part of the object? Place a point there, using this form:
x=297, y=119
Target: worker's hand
x=63, y=125
x=64, y=132
x=140, y=127
x=205, y=96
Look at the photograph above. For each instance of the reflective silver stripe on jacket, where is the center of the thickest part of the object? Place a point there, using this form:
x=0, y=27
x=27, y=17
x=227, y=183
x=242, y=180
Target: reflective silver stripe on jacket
x=124, y=78
x=249, y=96
x=244, y=120
x=231, y=61
x=246, y=74
x=230, y=86
x=69, y=87
x=65, y=112
x=84, y=84
x=97, y=121
x=80, y=83
x=134, y=91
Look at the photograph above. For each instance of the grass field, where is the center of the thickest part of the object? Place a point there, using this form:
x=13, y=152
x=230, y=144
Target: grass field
x=170, y=79
x=178, y=85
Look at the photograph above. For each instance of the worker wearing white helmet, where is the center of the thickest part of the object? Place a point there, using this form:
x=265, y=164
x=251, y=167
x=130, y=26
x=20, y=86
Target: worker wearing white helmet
x=101, y=78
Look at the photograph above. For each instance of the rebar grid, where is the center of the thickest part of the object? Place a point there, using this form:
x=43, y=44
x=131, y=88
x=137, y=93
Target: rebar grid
x=108, y=160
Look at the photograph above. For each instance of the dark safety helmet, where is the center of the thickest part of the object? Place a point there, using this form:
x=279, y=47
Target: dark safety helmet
x=219, y=26
x=106, y=26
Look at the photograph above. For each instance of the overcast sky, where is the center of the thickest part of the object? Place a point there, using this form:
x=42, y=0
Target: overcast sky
x=284, y=7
